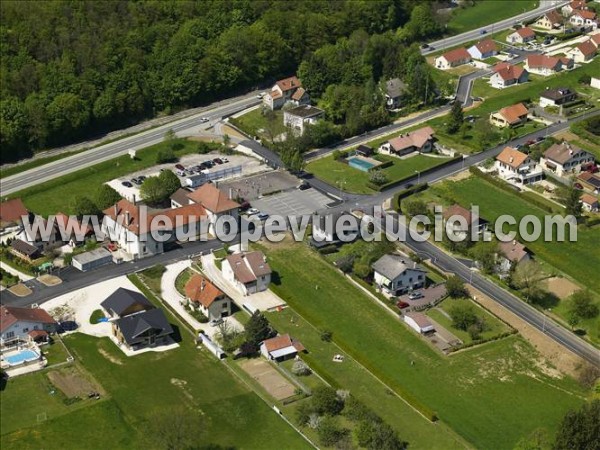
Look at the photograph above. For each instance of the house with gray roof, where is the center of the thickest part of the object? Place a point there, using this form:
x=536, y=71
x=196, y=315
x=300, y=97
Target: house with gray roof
x=144, y=329
x=248, y=272
x=395, y=89
x=124, y=302
x=397, y=275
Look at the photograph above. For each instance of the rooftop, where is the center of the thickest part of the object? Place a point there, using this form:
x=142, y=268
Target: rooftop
x=9, y=315
x=392, y=266
x=305, y=111
x=512, y=157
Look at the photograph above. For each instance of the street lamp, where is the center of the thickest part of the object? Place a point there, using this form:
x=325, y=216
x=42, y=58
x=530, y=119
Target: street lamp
x=418, y=176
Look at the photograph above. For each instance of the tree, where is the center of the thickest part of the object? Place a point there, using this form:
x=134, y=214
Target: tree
x=228, y=337
x=376, y=435
x=528, y=278
x=300, y=368
x=152, y=191
x=582, y=304
x=83, y=206
x=330, y=432
x=571, y=198
x=226, y=140
x=326, y=402
x=485, y=254
x=170, y=135
x=456, y=288
x=174, y=428
x=463, y=316
x=538, y=440
x=573, y=319
x=456, y=118
x=165, y=155
x=579, y=429
x=258, y=328
x=414, y=207
x=170, y=182
x=588, y=376
x=378, y=177
x=106, y=197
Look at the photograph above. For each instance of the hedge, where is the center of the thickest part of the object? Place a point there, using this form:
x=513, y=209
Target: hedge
x=383, y=165
x=407, y=193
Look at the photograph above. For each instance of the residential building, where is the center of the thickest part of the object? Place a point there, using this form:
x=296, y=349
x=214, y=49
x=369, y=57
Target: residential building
x=567, y=10
x=40, y=234
x=506, y=75
x=589, y=181
x=19, y=325
x=70, y=230
x=248, y=272
x=453, y=58
x=511, y=254
x=215, y=202
x=299, y=117
x=483, y=49
x=11, y=213
x=521, y=36
x=584, y=19
x=92, y=259
x=547, y=65
x=583, y=52
x=516, y=166
x=456, y=212
x=324, y=230
x=136, y=323
x=420, y=140
x=565, y=158
x=395, y=89
x=557, y=97
x=550, y=20
x=595, y=38
x=595, y=82
x=590, y=203
x=24, y=250
x=204, y=296
x=286, y=90
x=281, y=348
x=364, y=150
x=511, y=116
x=396, y=275
x=419, y=322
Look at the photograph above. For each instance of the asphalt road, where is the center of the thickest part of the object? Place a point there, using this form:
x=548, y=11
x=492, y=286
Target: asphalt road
x=453, y=41
x=122, y=146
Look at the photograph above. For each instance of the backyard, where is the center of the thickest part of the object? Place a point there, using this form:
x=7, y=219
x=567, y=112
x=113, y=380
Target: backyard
x=505, y=372
x=484, y=12
x=255, y=123
x=349, y=179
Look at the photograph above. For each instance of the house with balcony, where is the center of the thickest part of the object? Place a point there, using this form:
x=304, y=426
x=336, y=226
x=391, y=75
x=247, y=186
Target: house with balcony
x=204, y=296
x=583, y=52
x=557, y=97
x=565, y=159
x=506, y=75
x=420, y=140
x=248, y=272
x=287, y=90
x=521, y=36
x=550, y=20
x=518, y=167
x=510, y=117
x=547, y=65
x=584, y=19
x=396, y=275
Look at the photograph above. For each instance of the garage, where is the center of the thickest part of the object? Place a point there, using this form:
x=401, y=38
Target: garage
x=92, y=259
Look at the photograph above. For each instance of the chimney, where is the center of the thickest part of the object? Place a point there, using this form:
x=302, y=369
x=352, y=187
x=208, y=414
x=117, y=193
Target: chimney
x=127, y=218
x=134, y=199
x=510, y=160
x=116, y=210
x=202, y=285
x=230, y=193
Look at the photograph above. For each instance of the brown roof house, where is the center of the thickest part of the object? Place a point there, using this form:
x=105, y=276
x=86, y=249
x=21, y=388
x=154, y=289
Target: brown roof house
x=506, y=75
x=518, y=167
x=248, y=272
x=565, y=158
x=511, y=116
x=583, y=52
x=205, y=297
x=590, y=203
x=286, y=90
x=547, y=65
x=459, y=214
x=511, y=254
x=521, y=36
x=420, y=140
x=589, y=181
x=569, y=9
x=483, y=49
x=281, y=348
x=584, y=18
x=11, y=212
x=24, y=324
x=453, y=58
x=550, y=20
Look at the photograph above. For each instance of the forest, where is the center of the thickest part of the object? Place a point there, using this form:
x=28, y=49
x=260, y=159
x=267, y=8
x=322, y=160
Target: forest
x=72, y=70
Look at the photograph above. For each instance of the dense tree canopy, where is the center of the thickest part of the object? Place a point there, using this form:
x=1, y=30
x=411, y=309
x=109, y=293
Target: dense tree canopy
x=73, y=69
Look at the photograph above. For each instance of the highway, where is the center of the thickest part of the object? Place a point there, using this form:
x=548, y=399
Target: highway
x=473, y=35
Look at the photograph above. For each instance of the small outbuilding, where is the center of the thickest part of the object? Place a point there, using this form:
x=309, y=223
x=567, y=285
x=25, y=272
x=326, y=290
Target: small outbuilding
x=281, y=348
x=92, y=259
x=419, y=322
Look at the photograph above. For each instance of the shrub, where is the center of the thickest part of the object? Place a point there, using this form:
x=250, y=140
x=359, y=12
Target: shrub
x=455, y=287
x=326, y=335
x=325, y=401
x=300, y=368
x=165, y=156
x=330, y=432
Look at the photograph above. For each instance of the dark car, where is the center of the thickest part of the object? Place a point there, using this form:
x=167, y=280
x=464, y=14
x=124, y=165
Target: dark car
x=304, y=186
x=208, y=164
x=244, y=206
x=142, y=178
x=217, y=161
x=179, y=167
x=483, y=32
x=425, y=46
x=540, y=139
x=402, y=305
x=127, y=184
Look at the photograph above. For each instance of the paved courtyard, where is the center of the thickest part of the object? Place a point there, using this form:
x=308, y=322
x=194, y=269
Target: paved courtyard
x=293, y=203
x=252, y=187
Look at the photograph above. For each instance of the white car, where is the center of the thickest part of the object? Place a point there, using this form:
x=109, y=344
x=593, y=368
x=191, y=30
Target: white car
x=261, y=95
x=203, y=119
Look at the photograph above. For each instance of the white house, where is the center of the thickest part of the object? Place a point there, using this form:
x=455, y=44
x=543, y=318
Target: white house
x=557, y=97
x=205, y=297
x=24, y=324
x=248, y=272
x=583, y=18
x=567, y=10
x=281, y=348
x=589, y=202
x=583, y=52
x=297, y=118
x=595, y=82
x=420, y=140
x=547, y=65
x=506, y=75
x=563, y=159
x=453, y=58
x=513, y=165
x=511, y=254
x=483, y=49
x=521, y=36
x=286, y=90
x=419, y=322
x=394, y=90
x=396, y=275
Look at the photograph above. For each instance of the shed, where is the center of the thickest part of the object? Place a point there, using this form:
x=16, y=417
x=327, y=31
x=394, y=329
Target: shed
x=419, y=322
x=92, y=259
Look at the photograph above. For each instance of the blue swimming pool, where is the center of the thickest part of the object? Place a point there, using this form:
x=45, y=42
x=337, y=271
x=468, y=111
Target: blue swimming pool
x=21, y=357
x=360, y=164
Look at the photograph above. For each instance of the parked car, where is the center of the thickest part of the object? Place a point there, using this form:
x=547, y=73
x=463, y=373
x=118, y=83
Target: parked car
x=181, y=173
x=252, y=211
x=215, y=322
x=127, y=184
x=540, y=139
x=415, y=295
x=304, y=186
x=142, y=178
x=260, y=95
x=179, y=167
x=402, y=305
x=245, y=206
x=218, y=161
x=225, y=160
x=208, y=164
x=263, y=216
x=136, y=181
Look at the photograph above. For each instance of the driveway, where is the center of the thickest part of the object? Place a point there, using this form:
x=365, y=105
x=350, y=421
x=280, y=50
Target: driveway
x=293, y=203
x=430, y=295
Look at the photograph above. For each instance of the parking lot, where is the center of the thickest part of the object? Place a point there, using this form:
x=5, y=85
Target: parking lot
x=253, y=187
x=293, y=203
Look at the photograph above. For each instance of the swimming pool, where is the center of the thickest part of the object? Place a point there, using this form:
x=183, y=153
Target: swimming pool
x=360, y=164
x=21, y=357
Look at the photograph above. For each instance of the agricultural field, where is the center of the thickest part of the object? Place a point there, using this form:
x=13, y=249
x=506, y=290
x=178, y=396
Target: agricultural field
x=349, y=179
x=486, y=11
x=504, y=372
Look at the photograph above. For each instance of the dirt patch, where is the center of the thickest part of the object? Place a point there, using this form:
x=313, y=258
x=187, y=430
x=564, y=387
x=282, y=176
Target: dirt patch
x=561, y=287
x=202, y=139
x=182, y=384
x=555, y=354
x=49, y=280
x=226, y=129
x=460, y=176
x=110, y=357
x=269, y=378
x=73, y=383
x=20, y=290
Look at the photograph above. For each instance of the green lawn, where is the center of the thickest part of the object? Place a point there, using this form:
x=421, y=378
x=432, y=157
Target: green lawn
x=255, y=123
x=491, y=395
x=182, y=280
x=9, y=171
x=57, y=194
x=493, y=326
x=485, y=12
x=579, y=260
x=354, y=180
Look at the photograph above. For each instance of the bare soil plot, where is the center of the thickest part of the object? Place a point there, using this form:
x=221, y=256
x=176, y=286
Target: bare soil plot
x=49, y=280
x=561, y=287
x=20, y=290
x=269, y=378
x=73, y=383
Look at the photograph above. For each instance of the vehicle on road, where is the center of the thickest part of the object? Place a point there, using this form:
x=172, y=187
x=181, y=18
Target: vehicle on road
x=425, y=46
x=415, y=295
x=482, y=31
x=252, y=211
x=127, y=184
x=261, y=95
x=136, y=180
x=203, y=119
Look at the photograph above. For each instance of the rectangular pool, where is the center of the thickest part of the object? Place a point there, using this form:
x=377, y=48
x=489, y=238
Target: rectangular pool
x=21, y=357
x=360, y=164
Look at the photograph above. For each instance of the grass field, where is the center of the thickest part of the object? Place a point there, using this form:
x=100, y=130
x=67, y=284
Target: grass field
x=519, y=395
x=9, y=171
x=485, y=12
x=57, y=194
x=139, y=387
x=255, y=124
x=353, y=180
x=580, y=260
